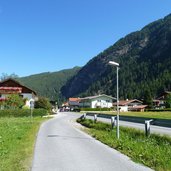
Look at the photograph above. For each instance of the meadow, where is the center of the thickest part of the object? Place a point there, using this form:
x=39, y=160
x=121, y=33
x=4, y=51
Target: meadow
x=17, y=139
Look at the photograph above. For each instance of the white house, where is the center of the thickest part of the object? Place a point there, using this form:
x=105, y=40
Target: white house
x=99, y=101
x=131, y=105
x=11, y=86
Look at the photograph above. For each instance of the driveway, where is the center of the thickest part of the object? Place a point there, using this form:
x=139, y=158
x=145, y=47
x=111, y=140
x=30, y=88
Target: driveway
x=62, y=146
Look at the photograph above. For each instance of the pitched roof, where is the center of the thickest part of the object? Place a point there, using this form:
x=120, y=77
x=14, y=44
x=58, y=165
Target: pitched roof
x=10, y=82
x=162, y=96
x=138, y=107
x=93, y=97
x=73, y=99
x=126, y=102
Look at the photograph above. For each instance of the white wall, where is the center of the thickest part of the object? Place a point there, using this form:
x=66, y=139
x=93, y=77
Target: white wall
x=29, y=97
x=123, y=108
x=103, y=102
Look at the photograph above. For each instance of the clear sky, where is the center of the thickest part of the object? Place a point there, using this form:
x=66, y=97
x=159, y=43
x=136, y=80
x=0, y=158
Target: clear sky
x=50, y=35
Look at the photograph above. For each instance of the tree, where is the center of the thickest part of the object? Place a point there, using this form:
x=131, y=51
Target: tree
x=168, y=101
x=14, y=101
x=148, y=99
x=5, y=76
x=43, y=103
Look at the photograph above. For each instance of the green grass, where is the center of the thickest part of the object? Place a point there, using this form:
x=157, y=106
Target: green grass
x=159, y=115
x=154, y=152
x=17, y=138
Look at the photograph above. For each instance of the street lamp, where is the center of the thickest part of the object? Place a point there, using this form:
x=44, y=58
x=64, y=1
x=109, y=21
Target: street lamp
x=56, y=105
x=117, y=90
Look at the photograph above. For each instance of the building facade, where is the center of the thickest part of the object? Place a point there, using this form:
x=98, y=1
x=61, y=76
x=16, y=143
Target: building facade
x=99, y=101
x=11, y=86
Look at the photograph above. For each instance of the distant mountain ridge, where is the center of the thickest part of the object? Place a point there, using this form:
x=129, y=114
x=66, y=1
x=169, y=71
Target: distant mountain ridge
x=48, y=84
x=145, y=65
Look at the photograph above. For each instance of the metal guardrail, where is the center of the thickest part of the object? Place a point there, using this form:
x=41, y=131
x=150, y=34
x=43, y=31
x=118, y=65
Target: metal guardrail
x=157, y=122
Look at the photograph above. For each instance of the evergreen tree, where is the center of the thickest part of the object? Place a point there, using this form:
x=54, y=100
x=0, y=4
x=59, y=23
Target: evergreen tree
x=148, y=99
x=168, y=101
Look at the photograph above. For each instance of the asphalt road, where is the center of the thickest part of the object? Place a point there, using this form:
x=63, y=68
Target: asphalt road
x=153, y=129
x=62, y=146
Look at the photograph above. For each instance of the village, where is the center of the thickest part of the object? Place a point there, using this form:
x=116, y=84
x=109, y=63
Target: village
x=11, y=86
x=85, y=85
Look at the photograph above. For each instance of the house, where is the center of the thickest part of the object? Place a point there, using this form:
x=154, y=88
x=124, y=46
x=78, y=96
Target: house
x=131, y=105
x=74, y=102
x=160, y=101
x=11, y=86
x=99, y=101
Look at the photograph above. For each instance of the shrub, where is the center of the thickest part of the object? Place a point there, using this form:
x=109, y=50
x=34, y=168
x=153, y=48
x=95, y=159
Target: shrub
x=159, y=110
x=14, y=101
x=43, y=103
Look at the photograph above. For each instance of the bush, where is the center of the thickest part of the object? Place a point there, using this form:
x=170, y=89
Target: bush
x=22, y=112
x=43, y=103
x=159, y=110
x=13, y=101
x=95, y=109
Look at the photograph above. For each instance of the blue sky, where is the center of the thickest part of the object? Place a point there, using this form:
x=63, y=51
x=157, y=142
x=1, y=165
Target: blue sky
x=50, y=35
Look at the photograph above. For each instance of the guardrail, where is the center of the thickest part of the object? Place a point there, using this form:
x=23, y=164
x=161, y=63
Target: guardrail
x=142, y=120
x=157, y=122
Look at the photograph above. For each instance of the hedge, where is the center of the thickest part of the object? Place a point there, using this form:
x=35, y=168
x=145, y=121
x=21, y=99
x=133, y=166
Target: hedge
x=159, y=110
x=22, y=112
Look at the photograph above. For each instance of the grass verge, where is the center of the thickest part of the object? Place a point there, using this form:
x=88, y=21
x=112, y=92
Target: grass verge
x=17, y=138
x=154, y=151
x=157, y=115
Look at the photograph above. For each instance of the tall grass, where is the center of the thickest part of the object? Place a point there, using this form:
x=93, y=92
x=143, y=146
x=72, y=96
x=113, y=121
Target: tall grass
x=17, y=137
x=154, y=151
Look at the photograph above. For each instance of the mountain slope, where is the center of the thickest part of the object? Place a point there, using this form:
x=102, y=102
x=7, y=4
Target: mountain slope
x=145, y=65
x=48, y=84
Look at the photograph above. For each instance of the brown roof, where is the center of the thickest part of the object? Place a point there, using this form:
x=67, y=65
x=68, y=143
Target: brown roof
x=138, y=107
x=73, y=99
x=162, y=96
x=13, y=83
x=126, y=102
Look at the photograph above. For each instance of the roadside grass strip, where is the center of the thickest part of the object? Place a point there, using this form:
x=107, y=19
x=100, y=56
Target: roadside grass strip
x=157, y=115
x=153, y=151
x=17, y=138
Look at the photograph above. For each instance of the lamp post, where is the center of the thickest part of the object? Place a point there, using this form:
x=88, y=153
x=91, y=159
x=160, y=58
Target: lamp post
x=117, y=90
x=31, y=108
x=56, y=105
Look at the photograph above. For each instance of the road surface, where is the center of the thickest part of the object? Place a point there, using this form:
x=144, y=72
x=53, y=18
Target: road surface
x=154, y=129
x=62, y=146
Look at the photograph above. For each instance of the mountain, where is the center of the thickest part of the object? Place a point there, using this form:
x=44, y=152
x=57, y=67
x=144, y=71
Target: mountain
x=48, y=84
x=145, y=65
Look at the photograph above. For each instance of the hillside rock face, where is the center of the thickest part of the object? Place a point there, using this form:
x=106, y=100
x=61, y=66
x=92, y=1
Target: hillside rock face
x=145, y=65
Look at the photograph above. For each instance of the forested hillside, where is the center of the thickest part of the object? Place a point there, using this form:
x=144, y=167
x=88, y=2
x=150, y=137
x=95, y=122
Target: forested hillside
x=48, y=84
x=145, y=65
